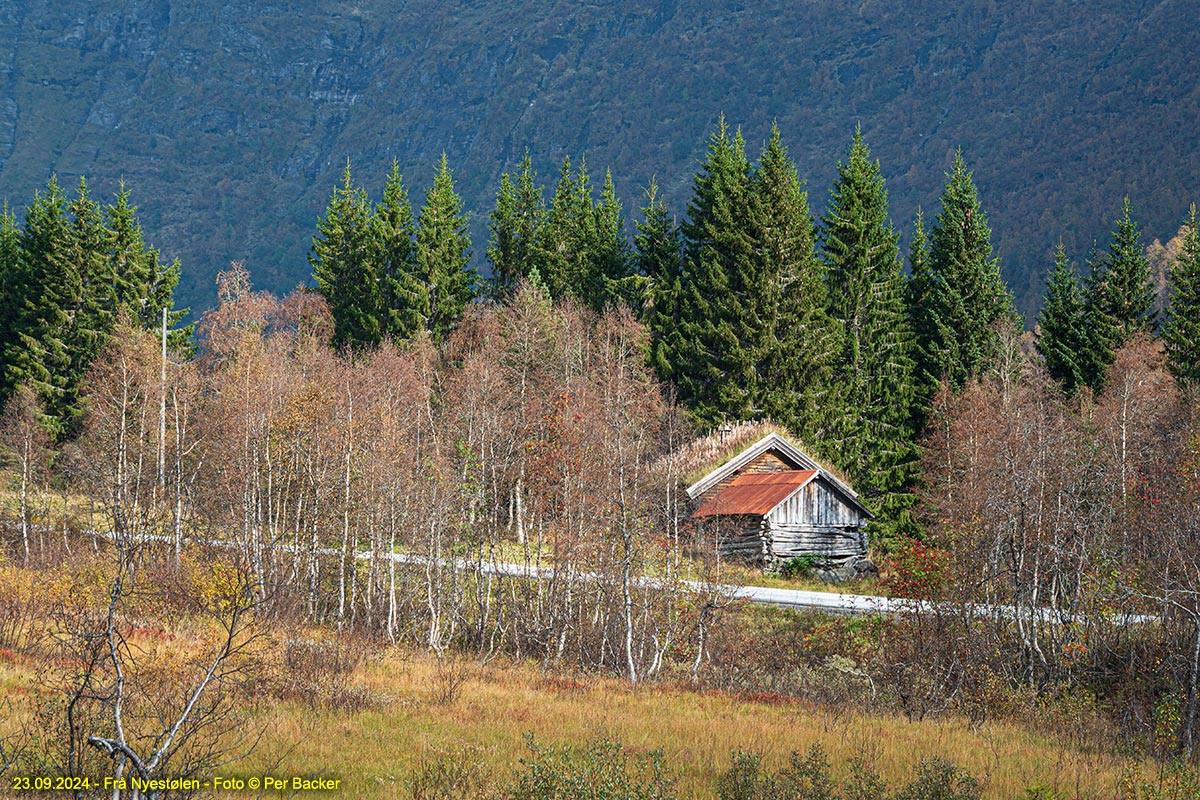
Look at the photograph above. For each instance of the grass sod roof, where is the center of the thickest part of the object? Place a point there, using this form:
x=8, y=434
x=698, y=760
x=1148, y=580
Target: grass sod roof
x=705, y=454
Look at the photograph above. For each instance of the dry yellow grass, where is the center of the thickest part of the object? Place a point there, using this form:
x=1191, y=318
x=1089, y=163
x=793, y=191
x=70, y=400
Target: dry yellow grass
x=374, y=751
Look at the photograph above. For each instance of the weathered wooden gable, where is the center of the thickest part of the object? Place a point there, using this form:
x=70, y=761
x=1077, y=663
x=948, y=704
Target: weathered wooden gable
x=818, y=504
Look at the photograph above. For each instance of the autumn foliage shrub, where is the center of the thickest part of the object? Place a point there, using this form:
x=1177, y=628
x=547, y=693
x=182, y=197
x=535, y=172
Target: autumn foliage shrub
x=1177, y=780
x=602, y=769
x=809, y=777
x=457, y=774
x=917, y=569
x=762, y=653
x=317, y=672
x=21, y=609
x=806, y=777
x=938, y=779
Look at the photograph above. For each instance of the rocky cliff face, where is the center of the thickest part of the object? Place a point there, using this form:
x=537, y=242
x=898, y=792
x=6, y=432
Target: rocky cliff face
x=231, y=121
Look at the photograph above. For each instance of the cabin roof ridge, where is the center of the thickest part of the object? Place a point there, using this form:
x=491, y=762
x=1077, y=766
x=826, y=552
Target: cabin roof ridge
x=792, y=453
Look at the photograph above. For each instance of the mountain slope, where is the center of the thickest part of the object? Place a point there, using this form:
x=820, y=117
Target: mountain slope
x=231, y=121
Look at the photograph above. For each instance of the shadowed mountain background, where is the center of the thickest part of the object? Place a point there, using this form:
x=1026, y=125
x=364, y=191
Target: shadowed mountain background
x=232, y=121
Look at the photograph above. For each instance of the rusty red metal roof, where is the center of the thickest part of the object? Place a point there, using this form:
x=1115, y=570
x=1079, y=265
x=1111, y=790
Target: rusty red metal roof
x=756, y=493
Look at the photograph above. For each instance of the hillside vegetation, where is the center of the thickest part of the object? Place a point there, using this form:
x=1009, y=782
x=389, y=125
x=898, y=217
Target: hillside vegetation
x=233, y=120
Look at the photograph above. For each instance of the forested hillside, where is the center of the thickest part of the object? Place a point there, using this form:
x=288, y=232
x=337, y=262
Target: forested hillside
x=233, y=121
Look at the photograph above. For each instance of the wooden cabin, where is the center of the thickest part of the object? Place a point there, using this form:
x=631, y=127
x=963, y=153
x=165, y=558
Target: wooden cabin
x=772, y=502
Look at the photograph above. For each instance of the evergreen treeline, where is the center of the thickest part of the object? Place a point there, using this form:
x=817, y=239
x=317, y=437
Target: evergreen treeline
x=68, y=270
x=756, y=307
x=386, y=277
x=1080, y=327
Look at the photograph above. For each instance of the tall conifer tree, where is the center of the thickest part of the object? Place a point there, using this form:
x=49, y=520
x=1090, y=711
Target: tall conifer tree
x=66, y=273
x=403, y=298
x=1122, y=284
x=443, y=254
x=964, y=295
x=875, y=366
x=128, y=262
x=47, y=286
x=92, y=314
x=1103, y=329
x=783, y=325
x=10, y=289
x=611, y=279
x=659, y=256
x=1062, y=332
x=753, y=338
x=563, y=241
x=1181, y=331
x=576, y=246
x=920, y=292
x=141, y=283
x=713, y=369
x=1118, y=297
x=507, y=266
x=516, y=228
x=345, y=266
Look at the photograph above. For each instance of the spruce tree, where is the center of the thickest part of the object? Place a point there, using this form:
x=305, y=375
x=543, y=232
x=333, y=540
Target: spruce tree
x=713, y=370
x=66, y=273
x=516, y=227
x=579, y=245
x=928, y=330
x=92, y=314
x=1102, y=328
x=610, y=276
x=963, y=296
x=1117, y=299
x=345, y=266
x=128, y=262
x=404, y=300
x=1122, y=287
x=502, y=249
x=875, y=367
x=919, y=291
x=10, y=288
x=141, y=283
x=443, y=254
x=1181, y=331
x=1062, y=332
x=753, y=338
x=782, y=323
x=565, y=248
x=47, y=286
x=659, y=257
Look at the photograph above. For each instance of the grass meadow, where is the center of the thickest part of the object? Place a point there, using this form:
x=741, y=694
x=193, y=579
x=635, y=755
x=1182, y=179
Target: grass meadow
x=409, y=722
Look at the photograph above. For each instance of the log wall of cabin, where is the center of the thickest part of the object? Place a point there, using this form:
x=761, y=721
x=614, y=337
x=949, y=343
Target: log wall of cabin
x=754, y=540
x=739, y=537
x=816, y=521
x=836, y=544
